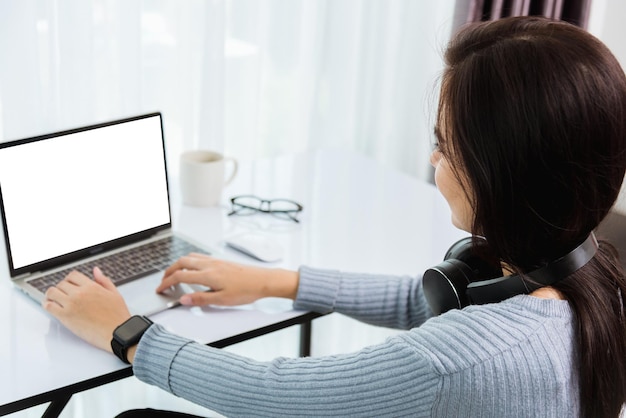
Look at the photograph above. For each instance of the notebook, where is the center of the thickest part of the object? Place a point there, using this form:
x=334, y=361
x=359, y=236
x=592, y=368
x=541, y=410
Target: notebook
x=92, y=196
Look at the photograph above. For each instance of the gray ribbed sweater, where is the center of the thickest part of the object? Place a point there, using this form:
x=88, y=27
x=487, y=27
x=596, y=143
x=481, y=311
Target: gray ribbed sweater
x=511, y=359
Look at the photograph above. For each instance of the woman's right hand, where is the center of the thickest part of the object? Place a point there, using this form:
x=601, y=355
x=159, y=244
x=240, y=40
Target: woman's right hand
x=230, y=283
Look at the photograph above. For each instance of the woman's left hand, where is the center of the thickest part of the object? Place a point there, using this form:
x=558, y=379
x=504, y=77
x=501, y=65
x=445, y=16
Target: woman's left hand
x=91, y=309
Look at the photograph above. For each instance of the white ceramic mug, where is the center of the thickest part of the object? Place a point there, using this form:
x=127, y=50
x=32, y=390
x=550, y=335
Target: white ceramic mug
x=203, y=177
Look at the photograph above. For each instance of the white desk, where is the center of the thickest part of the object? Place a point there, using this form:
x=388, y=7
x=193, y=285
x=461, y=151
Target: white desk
x=358, y=216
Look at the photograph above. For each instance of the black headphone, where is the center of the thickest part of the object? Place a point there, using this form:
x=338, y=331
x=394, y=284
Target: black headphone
x=466, y=277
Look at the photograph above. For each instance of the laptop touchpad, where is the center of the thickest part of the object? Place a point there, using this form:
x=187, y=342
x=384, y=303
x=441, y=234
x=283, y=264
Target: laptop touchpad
x=142, y=299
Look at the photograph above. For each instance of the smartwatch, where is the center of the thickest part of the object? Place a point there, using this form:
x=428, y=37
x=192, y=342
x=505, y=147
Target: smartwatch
x=128, y=334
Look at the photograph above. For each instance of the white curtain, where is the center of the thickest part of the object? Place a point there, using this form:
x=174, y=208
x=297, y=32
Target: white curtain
x=250, y=78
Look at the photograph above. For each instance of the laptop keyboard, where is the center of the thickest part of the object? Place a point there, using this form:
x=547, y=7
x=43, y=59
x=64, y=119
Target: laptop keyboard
x=128, y=265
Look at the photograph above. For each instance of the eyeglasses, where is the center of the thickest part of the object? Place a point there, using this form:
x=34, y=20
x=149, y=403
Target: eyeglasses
x=250, y=204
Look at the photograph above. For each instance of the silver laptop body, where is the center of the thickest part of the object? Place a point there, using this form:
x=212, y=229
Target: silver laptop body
x=96, y=195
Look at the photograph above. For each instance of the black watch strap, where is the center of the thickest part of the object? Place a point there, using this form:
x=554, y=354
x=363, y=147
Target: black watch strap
x=128, y=334
x=119, y=350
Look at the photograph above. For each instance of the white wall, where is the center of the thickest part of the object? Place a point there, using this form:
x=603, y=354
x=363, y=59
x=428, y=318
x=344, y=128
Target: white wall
x=607, y=23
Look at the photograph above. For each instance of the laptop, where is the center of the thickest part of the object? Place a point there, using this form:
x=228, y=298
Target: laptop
x=92, y=196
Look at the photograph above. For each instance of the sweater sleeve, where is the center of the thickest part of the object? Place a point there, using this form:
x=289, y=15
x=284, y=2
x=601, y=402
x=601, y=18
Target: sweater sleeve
x=389, y=379
x=383, y=300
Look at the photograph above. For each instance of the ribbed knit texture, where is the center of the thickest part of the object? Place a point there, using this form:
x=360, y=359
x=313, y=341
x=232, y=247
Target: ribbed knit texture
x=511, y=359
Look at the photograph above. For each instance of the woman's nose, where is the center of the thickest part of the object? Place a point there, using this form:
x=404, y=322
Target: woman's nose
x=435, y=156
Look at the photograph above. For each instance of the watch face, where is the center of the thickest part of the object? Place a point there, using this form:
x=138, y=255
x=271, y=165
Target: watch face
x=132, y=327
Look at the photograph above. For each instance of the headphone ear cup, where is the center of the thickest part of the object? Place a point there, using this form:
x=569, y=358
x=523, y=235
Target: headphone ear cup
x=476, y=254
x=445, y=285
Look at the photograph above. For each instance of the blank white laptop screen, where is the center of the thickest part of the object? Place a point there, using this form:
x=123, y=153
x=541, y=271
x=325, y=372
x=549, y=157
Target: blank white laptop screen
x=81, y=189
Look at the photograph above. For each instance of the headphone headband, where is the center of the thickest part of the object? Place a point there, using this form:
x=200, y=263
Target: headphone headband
x=568, y=264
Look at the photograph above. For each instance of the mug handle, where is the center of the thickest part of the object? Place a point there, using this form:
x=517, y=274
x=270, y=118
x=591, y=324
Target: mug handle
x=232, y=174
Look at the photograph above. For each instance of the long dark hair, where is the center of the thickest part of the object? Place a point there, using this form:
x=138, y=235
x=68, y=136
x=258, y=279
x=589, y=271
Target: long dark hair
x=532, y=113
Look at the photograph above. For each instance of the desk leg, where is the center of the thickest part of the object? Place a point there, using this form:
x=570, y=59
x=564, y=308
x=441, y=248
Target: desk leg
x=305, y=339
x=56, y=407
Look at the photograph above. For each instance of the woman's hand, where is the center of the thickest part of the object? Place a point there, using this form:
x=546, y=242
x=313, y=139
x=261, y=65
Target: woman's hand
x=230, y=283
x=91, y=309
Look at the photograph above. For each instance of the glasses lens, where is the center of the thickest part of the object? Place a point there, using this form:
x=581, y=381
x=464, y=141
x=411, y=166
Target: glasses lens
x=248, y=201
x=246, y=205
x=280, y=205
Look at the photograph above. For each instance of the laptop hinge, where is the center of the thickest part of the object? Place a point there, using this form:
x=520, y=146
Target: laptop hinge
x=26, y=275
x=164, y=233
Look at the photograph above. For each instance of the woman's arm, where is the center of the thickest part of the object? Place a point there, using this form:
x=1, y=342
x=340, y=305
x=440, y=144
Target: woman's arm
x=390, y=379
x=383, y=300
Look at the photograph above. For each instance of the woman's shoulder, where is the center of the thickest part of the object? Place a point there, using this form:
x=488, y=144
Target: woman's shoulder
x=460, y=339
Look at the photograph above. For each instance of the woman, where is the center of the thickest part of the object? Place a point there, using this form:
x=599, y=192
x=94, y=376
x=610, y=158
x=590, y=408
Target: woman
x=531, y=155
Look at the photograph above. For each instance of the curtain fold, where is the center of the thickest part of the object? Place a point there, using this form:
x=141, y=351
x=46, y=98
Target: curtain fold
x=573, y=11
